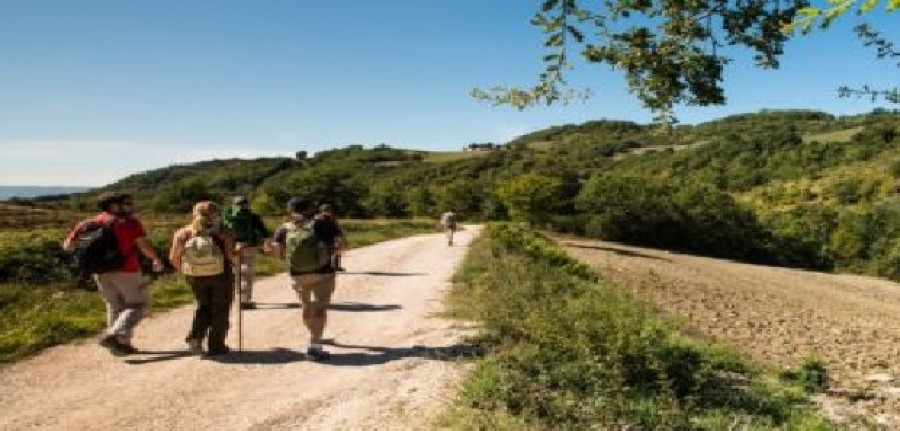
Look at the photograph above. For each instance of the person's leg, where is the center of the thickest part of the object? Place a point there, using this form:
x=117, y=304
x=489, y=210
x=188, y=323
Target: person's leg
x=222, y=296
x=202, y=315
x=322, y=290
x=300, y=284
x=312, y=288
x=247, y=269
x=110, y=295
x=135, y=297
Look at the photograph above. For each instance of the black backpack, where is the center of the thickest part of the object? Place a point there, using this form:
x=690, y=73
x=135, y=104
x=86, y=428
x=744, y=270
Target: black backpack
x=97, y=248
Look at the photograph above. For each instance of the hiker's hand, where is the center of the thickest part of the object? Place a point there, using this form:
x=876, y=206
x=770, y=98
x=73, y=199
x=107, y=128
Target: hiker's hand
x=158, y=265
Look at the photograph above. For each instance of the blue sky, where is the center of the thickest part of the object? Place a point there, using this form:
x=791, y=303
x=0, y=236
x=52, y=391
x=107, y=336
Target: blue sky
x=93, y=90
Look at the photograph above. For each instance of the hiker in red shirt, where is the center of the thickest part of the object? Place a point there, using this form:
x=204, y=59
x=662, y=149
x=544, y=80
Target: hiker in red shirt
x=121, y=283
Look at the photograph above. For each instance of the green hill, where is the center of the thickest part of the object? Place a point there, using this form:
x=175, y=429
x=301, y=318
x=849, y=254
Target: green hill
x=797, y=187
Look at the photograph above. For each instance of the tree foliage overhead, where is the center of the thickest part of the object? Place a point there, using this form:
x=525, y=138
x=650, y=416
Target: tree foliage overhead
x=671, y=51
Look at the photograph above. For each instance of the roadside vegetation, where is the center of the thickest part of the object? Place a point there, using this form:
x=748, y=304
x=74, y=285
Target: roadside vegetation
x=567, y=351
x=43, y=304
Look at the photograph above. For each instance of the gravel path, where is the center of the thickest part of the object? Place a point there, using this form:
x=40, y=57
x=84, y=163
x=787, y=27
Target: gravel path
x=392, y=366
x=777, y=316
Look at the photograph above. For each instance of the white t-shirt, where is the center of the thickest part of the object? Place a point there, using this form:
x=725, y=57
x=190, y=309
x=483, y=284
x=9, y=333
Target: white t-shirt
x=448, y=219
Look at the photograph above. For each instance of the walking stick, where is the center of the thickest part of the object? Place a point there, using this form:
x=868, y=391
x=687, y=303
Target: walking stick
x=237, y=289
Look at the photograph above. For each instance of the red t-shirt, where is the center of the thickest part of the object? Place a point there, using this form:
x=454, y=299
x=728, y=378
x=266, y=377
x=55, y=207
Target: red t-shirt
x=128, y=230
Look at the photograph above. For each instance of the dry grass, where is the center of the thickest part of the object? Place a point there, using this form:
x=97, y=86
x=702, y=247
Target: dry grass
x=838, y=136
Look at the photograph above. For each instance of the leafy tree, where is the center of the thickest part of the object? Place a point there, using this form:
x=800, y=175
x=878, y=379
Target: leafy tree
x=419, y=201
x=885, y=50
x=808, y=17
x=530, y=197
x=670, y=50
x=457, y=196
x=385, y=199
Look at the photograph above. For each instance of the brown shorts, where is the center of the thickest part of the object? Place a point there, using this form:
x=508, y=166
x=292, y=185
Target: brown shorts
x=314, y=289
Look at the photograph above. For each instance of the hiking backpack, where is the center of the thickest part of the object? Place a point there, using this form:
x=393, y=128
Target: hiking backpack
x=202, y=256
x=303, y=250
x=242, y=224
x=97, y=248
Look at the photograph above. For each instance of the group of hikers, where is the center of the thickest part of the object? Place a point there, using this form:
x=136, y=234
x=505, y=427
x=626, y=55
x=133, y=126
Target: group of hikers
x=216, y=249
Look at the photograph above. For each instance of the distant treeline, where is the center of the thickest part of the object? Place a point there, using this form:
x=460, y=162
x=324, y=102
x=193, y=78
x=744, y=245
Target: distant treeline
x=799, y=188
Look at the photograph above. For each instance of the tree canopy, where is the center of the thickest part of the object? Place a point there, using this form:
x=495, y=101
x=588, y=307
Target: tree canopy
x=672, y=52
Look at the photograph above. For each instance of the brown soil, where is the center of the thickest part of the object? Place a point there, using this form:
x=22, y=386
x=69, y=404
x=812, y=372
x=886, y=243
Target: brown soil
x=393, y=365
x=776, y=316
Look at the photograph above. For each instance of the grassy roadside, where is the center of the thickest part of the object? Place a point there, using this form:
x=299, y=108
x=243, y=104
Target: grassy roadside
x=568, y=352
x=38, y=312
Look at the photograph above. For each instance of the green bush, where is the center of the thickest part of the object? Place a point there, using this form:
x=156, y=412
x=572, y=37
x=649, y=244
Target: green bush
x=568, y=352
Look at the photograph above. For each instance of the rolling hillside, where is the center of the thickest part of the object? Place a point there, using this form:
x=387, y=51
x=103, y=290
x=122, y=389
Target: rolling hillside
x=798, y=188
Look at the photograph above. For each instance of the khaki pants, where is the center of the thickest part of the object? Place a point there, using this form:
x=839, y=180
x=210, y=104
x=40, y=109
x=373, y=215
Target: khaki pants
x=126, y=300
x=247, y=269
x=314, y=290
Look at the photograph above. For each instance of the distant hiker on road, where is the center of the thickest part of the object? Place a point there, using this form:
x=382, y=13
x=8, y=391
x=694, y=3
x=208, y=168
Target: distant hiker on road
x=302, y=242
x=204, y=254
x=448, y=224
x=107, y=247
x=249, y=233
x=334, y=235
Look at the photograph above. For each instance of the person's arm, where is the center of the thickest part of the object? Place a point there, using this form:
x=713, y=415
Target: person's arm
x=143, y=244
x=261, y=226
x=177, y=248
x=339, y=240
x=68, y=243
x=147, y=250
x=231, y=252
x=278, y=242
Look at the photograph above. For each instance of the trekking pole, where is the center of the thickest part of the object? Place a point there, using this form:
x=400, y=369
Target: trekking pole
x=237, y=288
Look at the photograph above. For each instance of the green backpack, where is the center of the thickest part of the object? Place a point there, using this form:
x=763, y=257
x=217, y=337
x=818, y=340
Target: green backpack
x=303, y=250
x=241, y=224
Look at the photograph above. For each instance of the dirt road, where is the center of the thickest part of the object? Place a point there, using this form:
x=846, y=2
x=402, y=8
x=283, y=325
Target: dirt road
x=777, y=316
x=392, y=366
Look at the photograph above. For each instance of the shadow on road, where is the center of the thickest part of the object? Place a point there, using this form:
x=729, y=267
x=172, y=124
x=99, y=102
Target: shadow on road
x=619, y=251
x=274, y=305
x=358, y=306
x=158, y=356
x=382, y=355
x=374, y=355
x=386, y=274
x=275, y=356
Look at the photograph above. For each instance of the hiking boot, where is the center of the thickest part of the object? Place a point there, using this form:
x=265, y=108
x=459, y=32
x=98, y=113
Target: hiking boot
x=195, y=346
x=317, y=354
x=116, y=347
x=127, y=349
x=248, y=305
